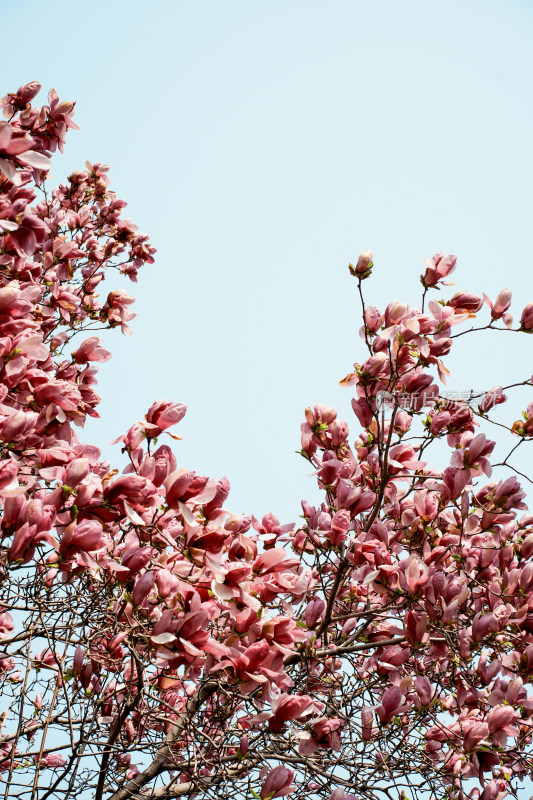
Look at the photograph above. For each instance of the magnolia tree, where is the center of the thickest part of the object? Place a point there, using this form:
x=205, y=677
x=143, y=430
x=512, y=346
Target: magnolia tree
x=156, y=645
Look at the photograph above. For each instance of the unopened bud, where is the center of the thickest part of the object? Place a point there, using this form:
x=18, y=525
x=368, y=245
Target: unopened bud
x=29, y=91
x=364, y=265
x=526, y=320
x=501, y=304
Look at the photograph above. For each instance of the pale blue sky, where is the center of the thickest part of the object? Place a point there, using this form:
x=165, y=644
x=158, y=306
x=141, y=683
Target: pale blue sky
x=263, y=145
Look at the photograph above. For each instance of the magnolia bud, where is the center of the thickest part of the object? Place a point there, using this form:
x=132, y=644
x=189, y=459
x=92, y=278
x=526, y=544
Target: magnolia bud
x=526, y=320
x=501, y=304
x=29, y=91
x=364, y=265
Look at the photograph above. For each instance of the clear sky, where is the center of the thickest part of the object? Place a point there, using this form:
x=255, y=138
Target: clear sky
x=263, y=145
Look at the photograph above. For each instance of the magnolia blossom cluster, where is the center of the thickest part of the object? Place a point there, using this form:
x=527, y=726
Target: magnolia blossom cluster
x=169, y=646
x=451, y=556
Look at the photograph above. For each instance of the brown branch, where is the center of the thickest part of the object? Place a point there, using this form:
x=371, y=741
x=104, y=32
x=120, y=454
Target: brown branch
x=116, y=728
x=164, y=754
x=354, y=648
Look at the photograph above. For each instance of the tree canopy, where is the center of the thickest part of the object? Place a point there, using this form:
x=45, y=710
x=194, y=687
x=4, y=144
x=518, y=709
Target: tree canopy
x=154, y=644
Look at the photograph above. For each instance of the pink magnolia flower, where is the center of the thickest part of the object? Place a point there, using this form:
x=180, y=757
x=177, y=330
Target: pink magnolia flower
x=230, y=580
x=133, y=489
x=116, y=311
x=395, y=312
x=492, y=398
x=457, y=418
x=438, y=268
x=494, y=790
x=403, y=457
x=474, y=733
x=426, y=504
x=377, y=365
x=12, y=301
x=77, y=665
x=493, y=622
x=85, y=536
x=363, y=411
x=524, y=427
x=508, y=493
x=475, y=455
x=176, y=485
x=320, y=416
x=8, y=473
x=161, y=415
x=501, y=721
x=355, y=498
x=60, y=114
x=373, y=318
x=526, y=320
x=446, y=317
x=500, y=305
x=314, y=611
x=282, y=632
x=367, y=718
x=440, y=347
x=193, y=639
x=77, y=471
x=325, y=734
x=222, y=490
x=255, y=665
x=287, y=707
x=414, y=574
x=136, y=558
x=143, y=587
x=132, y=438
x=167, y=583
x=6, y=623
x=52, y=760
x=17, y=101
x=392, y=704
x=25, y=541
x=46, y=660
x=455, y=481
x=526, y=577
x=91, y=350
x=415, y=622
x=15, y=144
x=61, y=393
x=402, y=422
x=340, y=525
x=466, y=303
x=30, y=230
x=18, y=425
x=424, y=689
x=416, y=382
x=278, y=783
